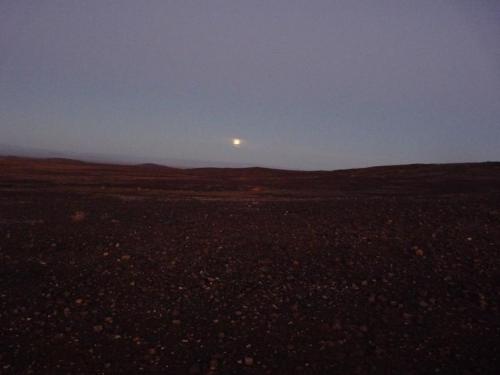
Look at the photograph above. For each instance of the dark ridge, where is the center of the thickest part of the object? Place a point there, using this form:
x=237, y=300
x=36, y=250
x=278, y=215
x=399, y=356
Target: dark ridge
x=155, y=166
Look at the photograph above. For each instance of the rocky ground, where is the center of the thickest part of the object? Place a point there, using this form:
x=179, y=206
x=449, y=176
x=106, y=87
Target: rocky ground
x=142, y=269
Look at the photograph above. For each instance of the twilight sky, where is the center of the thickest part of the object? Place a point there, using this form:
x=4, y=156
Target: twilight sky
x=305, y=84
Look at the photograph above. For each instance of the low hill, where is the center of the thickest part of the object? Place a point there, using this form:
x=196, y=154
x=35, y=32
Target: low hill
x=398, y=179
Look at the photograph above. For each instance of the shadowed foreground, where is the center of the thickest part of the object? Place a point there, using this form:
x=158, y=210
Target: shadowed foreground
x=109, y=269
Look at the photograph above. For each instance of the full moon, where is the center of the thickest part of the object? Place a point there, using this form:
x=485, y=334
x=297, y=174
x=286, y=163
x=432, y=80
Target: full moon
x=236, y=142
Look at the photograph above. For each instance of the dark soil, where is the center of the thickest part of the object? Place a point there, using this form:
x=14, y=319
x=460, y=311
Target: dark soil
x=115, y=269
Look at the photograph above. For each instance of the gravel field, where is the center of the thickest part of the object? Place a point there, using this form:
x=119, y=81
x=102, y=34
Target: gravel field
x=115, y=269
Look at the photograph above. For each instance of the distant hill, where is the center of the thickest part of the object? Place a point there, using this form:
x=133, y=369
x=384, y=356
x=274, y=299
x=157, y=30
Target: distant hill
x=9, y=150
x=385, y=180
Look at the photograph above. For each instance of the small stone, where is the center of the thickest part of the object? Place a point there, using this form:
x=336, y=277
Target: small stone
x=98, y=328
x=213, y=364
x=125, y=257
x=423, y=304
x=79, y=301
x=195, y=369
x=78, y=216
x=248, y=361
x=419, y=252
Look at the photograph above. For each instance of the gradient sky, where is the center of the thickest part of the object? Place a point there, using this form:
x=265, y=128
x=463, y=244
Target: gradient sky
x=306, y=84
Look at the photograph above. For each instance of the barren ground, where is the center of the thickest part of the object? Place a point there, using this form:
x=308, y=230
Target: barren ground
x=116, y=269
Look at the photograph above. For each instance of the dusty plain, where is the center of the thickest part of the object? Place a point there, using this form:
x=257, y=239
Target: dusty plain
x=130, y=269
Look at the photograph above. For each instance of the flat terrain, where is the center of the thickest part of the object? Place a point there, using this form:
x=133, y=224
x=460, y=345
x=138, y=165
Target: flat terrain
x=130, y=269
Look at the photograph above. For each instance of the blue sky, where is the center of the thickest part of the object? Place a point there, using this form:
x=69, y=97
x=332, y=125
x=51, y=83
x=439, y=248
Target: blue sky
x=305, y=84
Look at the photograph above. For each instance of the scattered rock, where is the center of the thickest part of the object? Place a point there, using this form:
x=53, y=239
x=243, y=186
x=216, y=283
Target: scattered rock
x=248, y=361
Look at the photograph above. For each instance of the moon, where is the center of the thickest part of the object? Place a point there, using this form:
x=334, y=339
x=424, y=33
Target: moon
x=236, y=142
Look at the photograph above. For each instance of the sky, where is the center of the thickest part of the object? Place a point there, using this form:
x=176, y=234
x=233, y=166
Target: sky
x=304, y=84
